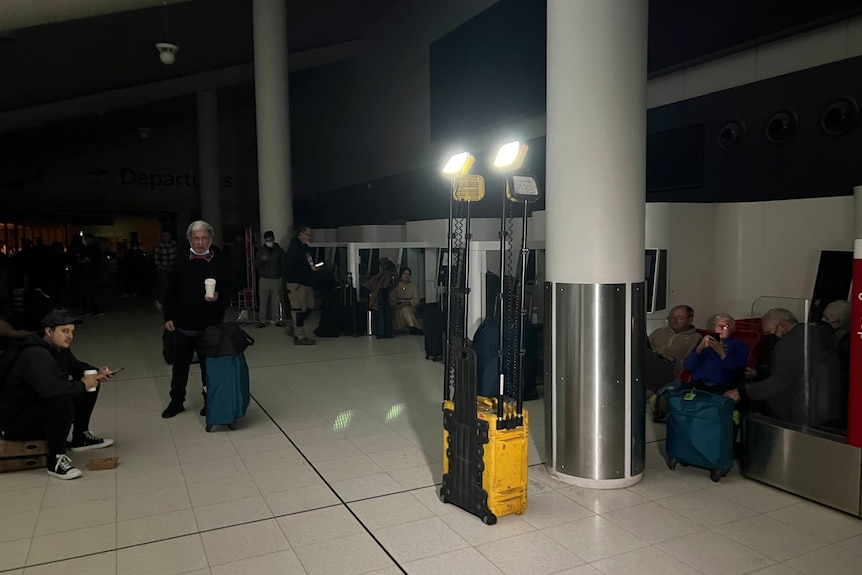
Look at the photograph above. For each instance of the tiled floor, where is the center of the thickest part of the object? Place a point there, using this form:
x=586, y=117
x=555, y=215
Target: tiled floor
x=334, y=471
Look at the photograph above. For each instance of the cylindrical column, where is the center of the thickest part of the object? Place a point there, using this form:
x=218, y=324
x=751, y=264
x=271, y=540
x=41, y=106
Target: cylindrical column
x=596, y=139
x=854, y=415
x=273, y=118
x=208, y=172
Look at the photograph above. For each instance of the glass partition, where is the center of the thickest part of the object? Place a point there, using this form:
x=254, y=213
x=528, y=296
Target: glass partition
x=798, y=380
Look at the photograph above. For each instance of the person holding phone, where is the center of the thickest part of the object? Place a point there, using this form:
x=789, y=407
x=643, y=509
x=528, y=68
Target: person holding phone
x=298, y=276
x=719, y=358
x=718, y=361
x=48, y=391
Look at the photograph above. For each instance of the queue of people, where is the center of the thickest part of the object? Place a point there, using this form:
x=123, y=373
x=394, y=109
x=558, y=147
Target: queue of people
x=717, y=362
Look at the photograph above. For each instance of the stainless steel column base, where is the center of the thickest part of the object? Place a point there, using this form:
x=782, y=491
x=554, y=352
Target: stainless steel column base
x=595, y=419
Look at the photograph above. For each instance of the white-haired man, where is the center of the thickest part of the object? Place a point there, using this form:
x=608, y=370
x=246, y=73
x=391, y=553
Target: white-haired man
x=189, y=309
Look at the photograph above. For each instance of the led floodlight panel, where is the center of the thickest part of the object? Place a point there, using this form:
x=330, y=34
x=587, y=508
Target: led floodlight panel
x=469, y=188
x=522, y=189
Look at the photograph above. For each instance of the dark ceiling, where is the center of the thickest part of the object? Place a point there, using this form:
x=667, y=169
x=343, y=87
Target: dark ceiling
x=54, y=64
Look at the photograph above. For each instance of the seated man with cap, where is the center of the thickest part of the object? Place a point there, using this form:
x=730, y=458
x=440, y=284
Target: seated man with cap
x=44, y=393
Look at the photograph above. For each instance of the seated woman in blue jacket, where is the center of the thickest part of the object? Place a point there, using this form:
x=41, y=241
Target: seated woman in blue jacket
x=715, y=364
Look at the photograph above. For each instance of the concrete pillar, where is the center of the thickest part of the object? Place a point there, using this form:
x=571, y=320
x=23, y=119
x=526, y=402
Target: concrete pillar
x=208, y=162
x=273, y=118
x=596, y=118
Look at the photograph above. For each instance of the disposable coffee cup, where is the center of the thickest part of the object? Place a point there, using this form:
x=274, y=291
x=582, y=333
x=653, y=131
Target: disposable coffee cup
x=91, y=372
x=209, y=286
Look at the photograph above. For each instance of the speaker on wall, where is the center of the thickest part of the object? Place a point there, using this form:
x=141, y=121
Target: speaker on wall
x=839, y=117
x=781, y=127
x=731, y=136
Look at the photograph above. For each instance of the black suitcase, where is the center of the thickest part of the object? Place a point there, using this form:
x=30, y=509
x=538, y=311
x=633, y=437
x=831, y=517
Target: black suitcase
x=330, y=314
x=434, y=326
x=353, y=312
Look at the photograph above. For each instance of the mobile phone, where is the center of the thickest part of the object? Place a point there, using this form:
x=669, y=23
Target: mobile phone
x=318, y=265
x=716, y=336
x=116, y=371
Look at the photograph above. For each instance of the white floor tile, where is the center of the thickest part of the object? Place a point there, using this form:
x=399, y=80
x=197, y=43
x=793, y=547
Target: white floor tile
x=243, y=541
x=653, y=523
x=19, y=500
x=232, y=513
x=142, y=504
x=594, y=538
x=87, y=488
x=772, y=537
x=156, y=527
x=76, y=516
x=644, y=561
x=390, y=510
x=302, y=499
x=602, y=500
x=754, y=495
x=267, y=461
x=286, y=478
x=532, y=553
x=832, y=560
x=714, y=554
x=366, y=486
x=319, y=525
x=17, y=525
x=418, y=539
x=101, y=564
x=13, y=554
x=474, y=532
x=347, y=467
x=71, y=544
x=705, y=508
x=281, y=563
x=169, y=557
x=463, y=561
x=222, y=490
x=820, y=521
x=550, y=509
x=346, y=556
x=214, y=469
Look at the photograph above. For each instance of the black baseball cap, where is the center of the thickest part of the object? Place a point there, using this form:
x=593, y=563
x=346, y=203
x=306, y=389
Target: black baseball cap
x=268, y=234
x=59, y=317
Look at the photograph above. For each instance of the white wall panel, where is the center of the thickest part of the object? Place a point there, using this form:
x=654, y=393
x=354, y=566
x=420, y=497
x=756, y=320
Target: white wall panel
x=814, y=48
x=721, y=74
x=690, y=265
x=666, y=89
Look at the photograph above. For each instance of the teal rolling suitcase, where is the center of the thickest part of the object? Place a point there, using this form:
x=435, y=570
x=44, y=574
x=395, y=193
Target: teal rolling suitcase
x=227, y=390
x=700, y=431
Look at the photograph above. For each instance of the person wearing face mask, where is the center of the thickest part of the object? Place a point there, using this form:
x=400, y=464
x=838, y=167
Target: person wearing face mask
x=189, y=310
x=269, y=260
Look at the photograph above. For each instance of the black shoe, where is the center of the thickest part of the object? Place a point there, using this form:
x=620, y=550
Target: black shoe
x=60, y=466
x=203, y=411
x=172, y=409
x=88, y=441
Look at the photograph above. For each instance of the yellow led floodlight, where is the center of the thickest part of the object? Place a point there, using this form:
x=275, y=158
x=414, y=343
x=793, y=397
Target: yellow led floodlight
x=522, y=188
x=459, y=164
x=468, y=188
x=510, y=157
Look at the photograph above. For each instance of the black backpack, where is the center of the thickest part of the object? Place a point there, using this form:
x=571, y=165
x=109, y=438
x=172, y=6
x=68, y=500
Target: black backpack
x=223, y=339
x=9, y=356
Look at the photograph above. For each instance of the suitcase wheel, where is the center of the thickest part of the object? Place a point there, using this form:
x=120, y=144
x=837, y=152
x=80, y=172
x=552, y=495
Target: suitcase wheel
x=671, y=463
x=489, y=519
x=717, y=474
x=232, y=425
x=209, y=427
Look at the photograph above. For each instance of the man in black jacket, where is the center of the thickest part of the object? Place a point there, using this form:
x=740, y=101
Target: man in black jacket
x=44, y=394
x=299, y=268
x=189, y=309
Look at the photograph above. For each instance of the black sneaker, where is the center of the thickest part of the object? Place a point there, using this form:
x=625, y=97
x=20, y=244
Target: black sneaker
x=172, y=409
x=61, y=468
x=303, y=341
x=88, y=441
x=203, y=411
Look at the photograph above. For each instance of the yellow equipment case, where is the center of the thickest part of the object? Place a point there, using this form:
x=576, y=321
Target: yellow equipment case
x=504, y=458
x=485, y=456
